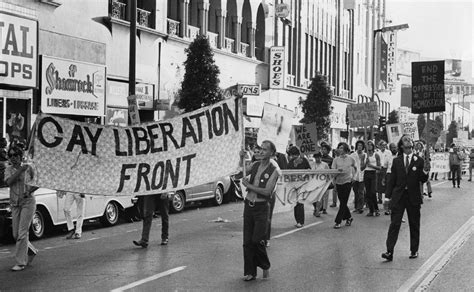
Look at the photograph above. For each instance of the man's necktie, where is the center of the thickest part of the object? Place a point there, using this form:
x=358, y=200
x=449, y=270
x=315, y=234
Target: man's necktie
x=407, y=163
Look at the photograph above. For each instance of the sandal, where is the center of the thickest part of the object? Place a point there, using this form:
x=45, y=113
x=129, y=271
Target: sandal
x=249, y=278
x=349, y=221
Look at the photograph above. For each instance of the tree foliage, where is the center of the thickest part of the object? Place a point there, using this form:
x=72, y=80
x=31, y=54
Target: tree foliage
x=317, y=106
x=200, y=86
x=452, y=132
x=393, y=117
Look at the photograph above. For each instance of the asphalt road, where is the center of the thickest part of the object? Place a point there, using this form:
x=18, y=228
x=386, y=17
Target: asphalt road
x=204, y=255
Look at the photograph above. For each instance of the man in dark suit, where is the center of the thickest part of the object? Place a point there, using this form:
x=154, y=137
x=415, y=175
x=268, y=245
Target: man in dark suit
x=407, y=172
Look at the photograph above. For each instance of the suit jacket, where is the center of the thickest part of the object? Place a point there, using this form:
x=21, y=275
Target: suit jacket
x=411, y=180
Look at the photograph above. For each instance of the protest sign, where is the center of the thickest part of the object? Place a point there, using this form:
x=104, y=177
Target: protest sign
x=275, y=126
x=133, y=109
x=411, y=128
x=440, y=162
x=394, y=132
x=306, y=138
x=150, y=158
x=363, y=114
x=427, y=79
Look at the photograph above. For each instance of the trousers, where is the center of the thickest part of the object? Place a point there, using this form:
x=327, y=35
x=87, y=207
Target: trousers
x=80, y=204
x=22, y=215
x=149, y=206
x=255, y=231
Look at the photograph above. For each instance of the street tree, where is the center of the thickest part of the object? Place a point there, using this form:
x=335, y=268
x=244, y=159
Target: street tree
x=200, y=86
x=393, y=117
x=452, y=132
x=317, y=106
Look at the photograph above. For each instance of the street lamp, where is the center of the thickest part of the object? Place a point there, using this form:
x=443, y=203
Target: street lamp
x=383, y=29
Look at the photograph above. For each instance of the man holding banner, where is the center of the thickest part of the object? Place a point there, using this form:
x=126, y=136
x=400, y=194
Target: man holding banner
x=260, y=186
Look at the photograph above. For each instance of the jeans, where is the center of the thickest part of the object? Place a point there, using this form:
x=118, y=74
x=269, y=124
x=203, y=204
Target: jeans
x=270, y=215
x=149, y=206
x=371, y=196
x=299, y=213
x=343, y=192
x=456, y=174
x=22, y=215
x=255, y=231
x=359, y=189
x=71, y=198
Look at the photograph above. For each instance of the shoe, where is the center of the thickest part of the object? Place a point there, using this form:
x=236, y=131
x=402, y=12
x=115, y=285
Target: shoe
x=17, y=268
x=404, y=221
x=413, y=255
x=388, y=256
x=333, y=206
x=377, y=213
x=70, y=234
x=337, y=226
x=298, y=225
x=459, y=186
x=429, y=194
x=31, y=256
x=266, y=274
x=349, y=221
x=425, y=194
x=324, y=211
x=469, y=180
x=141, y=243
x=267, y=243
x=370, y=214
x=360, y=211
x=76, y=236
x=249, y=278
x=454, y=186
x=164, y=241
x=387, y=213
x=317, y=213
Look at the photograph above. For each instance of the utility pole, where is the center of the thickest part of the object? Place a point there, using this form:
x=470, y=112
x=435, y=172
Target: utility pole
x=133, y=44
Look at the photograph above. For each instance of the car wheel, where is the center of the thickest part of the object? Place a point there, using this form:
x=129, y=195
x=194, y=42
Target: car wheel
x=178, y=201
x=218, y=195
x=111, y=214
x=38, y=225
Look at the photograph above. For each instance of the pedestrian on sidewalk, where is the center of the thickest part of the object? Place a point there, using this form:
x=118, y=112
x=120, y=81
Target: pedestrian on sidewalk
x=455, y=166
x=70, y=198
x=358, y=180
x=471, y=164
x=343, y=180
x=407, y=172
x=297, y=161
x=23, y=206
x=372, y=164
x=149, y=204
x=260, y=184
x=321, y=205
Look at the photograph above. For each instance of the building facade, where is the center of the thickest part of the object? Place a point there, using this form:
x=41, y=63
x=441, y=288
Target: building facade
x=88, y=42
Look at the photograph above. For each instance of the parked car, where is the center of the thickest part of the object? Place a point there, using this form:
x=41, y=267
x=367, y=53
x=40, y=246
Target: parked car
x=214, y=192
x=49, y=211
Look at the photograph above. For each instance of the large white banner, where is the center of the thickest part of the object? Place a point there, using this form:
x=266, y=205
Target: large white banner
x=150, y=158
x=275, y=126
x=18, y=50
x=72, y=88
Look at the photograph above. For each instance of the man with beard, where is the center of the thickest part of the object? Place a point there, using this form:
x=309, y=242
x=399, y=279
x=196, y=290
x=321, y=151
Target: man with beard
x=407, y=172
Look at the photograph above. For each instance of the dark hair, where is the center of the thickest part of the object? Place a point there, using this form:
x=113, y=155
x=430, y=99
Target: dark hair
x=326, y=146
x=317, y=155
x=345, y=146
x=293, y=151
x=272, y=145
x=372, y=143
x=400, y=144
x=15, y=150
x=360, y=142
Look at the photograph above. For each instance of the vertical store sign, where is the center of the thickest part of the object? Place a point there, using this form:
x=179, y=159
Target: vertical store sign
x=277, y=67
x=18, y=50
x=72, y=88
x=391, y=60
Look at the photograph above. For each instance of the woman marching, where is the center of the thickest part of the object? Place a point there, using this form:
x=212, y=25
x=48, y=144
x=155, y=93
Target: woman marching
x=260, y=186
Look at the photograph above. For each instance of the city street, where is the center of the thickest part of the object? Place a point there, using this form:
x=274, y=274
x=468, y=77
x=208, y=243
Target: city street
x=204, y=255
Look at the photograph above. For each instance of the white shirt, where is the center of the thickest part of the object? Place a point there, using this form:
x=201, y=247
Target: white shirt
x=358, y=175
x=390, y=162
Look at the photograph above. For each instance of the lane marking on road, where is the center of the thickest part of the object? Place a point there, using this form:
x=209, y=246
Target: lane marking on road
x=439, y=259
x=154, y=277
x=93, y=238
x=296, y=230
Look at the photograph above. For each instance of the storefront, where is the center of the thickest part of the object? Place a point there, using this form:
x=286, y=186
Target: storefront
x=72, y=89
x=18, y=73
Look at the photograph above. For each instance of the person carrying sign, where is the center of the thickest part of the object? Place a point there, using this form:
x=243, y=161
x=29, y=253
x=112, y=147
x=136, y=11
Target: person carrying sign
x=260, y=186
x=298, y=162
